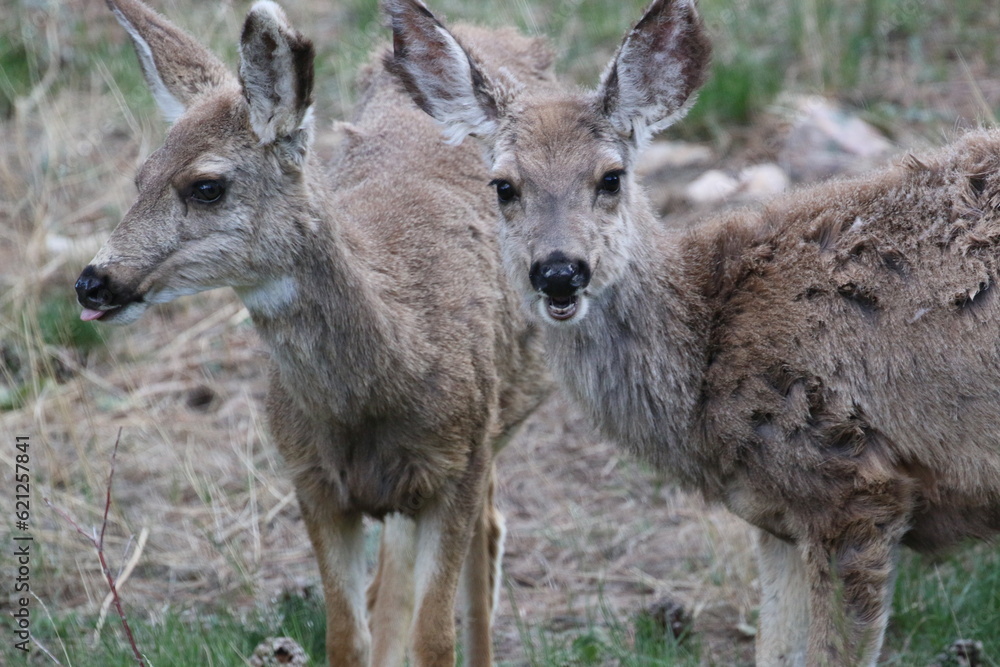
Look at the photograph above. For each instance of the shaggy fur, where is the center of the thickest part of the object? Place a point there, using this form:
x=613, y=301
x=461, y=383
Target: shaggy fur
x=827, y=366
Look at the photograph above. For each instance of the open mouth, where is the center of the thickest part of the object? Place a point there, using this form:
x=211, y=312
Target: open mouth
x=562, y=307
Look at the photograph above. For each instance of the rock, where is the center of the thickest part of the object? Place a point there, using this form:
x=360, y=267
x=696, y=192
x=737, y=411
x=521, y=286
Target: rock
x=825, y=140
x=662, y=155
x=753, y=182
x=961, y=653
x=763, y=180
x=276, y=651
x=711, y=187
x=671, y=617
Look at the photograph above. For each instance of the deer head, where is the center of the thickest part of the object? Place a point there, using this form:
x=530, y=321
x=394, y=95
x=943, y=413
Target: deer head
x=212, y=201
x=561, y=161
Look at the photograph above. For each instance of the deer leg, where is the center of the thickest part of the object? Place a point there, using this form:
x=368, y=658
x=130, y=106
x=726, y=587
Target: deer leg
x=390, y=595
x=783, y=626
x=444, y=531
x=480, y=585
x=339, y=541
x=851, y=582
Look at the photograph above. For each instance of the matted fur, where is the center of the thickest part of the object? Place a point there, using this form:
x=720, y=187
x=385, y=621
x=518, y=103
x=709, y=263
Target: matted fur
x=827, y=366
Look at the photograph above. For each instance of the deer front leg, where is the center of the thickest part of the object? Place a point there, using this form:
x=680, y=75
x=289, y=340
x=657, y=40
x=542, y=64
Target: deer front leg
x=783, y=625
x=444, y=531
x=480, y=585
x=851, y=580
x=390, y=595
x=339, y=541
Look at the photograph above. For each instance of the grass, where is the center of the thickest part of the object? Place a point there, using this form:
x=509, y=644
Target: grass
x=959, y=601
x=935, y=604
x=58, y=323
x=938, y=603
x=216, y=636
x=176, y=637
x=761, y=47
x=606, y=638
x=39, y=343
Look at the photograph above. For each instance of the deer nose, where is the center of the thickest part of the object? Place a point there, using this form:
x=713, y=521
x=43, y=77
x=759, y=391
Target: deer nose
x=92, y=290
x=559, y=276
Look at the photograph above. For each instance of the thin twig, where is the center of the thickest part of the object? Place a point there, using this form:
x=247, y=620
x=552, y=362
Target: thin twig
x=98, y=543
x=122, y=578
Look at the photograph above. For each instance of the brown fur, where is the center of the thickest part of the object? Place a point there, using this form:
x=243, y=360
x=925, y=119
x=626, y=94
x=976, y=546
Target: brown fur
x=400, y=361
x=827, y=366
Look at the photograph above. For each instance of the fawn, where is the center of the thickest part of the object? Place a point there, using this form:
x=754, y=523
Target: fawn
x=401, y=362
x=827, y=366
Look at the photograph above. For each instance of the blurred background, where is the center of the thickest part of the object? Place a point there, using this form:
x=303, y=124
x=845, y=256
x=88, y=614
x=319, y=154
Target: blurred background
x=606, y=563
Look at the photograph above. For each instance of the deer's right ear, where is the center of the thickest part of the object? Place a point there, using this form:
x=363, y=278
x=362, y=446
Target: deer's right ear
x=176, y=67
x=276, y=68
x=439, y=74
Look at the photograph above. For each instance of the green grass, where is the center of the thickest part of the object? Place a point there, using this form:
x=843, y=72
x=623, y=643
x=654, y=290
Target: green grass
x=761, y=47
x=841, y=49
x=21, y=54
x=937, y=603
x=179, y=638
x=58, y=323
x=934, y=605
x=15, y=73
x=184, y=637
x=605, y=638
x=29, y=354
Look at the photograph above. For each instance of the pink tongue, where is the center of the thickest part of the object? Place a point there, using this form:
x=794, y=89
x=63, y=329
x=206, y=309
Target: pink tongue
x=87, y=315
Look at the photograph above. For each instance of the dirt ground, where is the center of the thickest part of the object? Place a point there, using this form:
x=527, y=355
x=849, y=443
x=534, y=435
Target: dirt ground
x=589, y=527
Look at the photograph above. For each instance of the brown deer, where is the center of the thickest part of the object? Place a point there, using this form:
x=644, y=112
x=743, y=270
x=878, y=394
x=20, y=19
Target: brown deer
x=400, y=360
x=827, y=366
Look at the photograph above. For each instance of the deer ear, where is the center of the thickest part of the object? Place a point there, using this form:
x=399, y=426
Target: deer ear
x=176, y=67
x=276, y=68
x=652, y=80
x=439, y=74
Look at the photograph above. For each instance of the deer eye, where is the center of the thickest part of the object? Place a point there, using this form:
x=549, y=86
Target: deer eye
x=505, y=191
x=207, y=191
x=611, y=182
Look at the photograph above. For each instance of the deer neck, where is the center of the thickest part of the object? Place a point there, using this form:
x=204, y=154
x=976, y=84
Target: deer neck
x=636, y=362
x=324, y=317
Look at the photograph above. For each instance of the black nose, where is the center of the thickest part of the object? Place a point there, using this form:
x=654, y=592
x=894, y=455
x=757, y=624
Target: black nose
x=92, y=290
x=559, y=276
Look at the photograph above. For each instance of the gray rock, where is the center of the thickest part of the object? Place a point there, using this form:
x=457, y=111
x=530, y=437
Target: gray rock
x=826, y=139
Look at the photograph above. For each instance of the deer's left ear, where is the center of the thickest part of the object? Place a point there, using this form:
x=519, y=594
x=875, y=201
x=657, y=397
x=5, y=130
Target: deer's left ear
x=651, y=81
x=276, y=69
